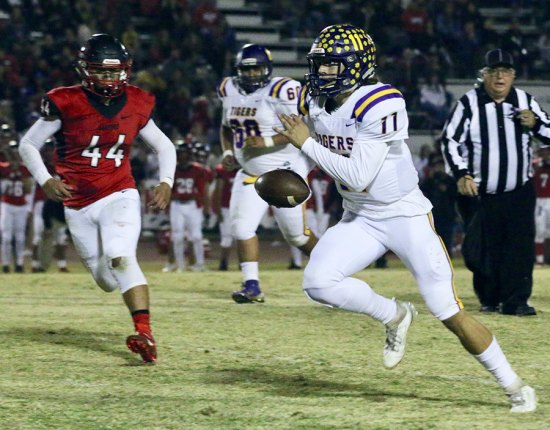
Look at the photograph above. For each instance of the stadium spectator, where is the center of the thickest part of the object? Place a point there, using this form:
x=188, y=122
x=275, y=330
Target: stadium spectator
x=435, y=100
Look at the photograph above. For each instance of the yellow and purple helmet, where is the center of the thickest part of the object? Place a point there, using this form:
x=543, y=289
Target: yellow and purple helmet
x=253, y=56
x=346, y=45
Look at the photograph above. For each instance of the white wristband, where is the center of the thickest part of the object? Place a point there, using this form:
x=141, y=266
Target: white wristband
x=227, y=152
x=168, y=181
x=268, y=142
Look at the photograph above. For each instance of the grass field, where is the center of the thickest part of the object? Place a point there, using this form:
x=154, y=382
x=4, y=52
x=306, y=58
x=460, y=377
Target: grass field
x=286, y=364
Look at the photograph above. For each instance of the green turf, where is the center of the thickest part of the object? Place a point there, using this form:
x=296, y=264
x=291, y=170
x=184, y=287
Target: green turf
x=286, y=364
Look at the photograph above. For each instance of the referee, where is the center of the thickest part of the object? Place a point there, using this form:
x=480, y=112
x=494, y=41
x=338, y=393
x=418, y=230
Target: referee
x=486, y=144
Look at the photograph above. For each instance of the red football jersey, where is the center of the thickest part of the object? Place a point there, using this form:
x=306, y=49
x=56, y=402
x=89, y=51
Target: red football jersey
x=324, y=184
x=227, y=177
x=190, y=183
x=542, y=181
x=13, y=191
x=92, y=151
x=39, y=194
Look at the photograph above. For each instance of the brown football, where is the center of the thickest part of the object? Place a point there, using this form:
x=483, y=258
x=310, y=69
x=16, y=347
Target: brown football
x=282, y=188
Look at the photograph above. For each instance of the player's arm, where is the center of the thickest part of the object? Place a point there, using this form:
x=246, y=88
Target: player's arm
x=283, y=103
x=357, y=171
x=166, y=152
x=29, y=149
x=226, y=139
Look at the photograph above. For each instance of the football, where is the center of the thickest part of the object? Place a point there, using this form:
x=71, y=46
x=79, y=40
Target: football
x=282, y=188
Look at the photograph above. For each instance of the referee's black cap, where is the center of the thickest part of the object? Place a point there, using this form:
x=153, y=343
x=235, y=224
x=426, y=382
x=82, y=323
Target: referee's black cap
x=499, y=58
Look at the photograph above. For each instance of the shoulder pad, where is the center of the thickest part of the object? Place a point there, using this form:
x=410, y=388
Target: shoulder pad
x=222, y=87
x=303, y=104
x=277, y=85
x=372, y=98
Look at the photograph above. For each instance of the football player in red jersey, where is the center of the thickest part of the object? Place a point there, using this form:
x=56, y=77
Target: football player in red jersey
x=185, y=209
x=220, y=207
x=542, y=209
x=95, y=124
x=14, y=210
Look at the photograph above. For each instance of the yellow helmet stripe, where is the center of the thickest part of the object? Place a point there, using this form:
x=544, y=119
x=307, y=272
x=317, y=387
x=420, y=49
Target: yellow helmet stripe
x=359, y=42
x=354, y=41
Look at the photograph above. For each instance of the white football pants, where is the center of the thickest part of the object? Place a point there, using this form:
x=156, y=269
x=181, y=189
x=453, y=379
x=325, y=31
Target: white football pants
x=109, y=228
x=356, y=242
x=186, y=217
x=542, y=219
x=13, y=222
x=247, y=209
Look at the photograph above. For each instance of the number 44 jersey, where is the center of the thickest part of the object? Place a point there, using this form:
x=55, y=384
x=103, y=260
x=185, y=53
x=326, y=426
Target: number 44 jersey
x=92, y=151
x=255, y=114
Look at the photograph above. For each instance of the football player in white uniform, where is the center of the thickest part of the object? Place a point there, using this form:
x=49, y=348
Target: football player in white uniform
x=360, y=126
x=251, y=102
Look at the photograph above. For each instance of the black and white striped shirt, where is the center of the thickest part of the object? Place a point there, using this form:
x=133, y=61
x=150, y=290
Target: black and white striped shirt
x=484, y=139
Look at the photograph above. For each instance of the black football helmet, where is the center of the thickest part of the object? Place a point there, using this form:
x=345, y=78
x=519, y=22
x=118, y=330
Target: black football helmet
x=104, y=65
x=184, y=153
x=250, y=57
x=8, y=137
x=347, y=46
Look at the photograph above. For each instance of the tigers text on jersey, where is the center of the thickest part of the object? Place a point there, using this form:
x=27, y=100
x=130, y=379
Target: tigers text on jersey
x=12, y=184
x=372, y=120
x=255, y=114
x=92, y=151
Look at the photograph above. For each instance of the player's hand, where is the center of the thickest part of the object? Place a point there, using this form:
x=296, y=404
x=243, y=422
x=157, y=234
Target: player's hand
x=229, y=163
x=527, y=118
x=467, y=186
x=57, y=189
x=296, y=130
x=161, y=196
x=254, y=142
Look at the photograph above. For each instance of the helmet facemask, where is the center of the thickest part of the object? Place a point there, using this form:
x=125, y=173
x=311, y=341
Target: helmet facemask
x=252, y=78
x=104, y=80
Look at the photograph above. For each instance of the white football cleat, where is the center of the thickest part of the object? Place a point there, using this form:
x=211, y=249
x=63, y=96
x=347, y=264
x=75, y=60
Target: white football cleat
x=396, y=336
x=525, y=400
x=169, y=268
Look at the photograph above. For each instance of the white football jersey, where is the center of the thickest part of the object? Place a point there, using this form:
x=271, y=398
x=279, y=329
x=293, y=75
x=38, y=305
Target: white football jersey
x=376, y=175
x=255, y=114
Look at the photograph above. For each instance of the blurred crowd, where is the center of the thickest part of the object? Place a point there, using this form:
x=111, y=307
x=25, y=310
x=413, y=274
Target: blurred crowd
x=182, y=48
